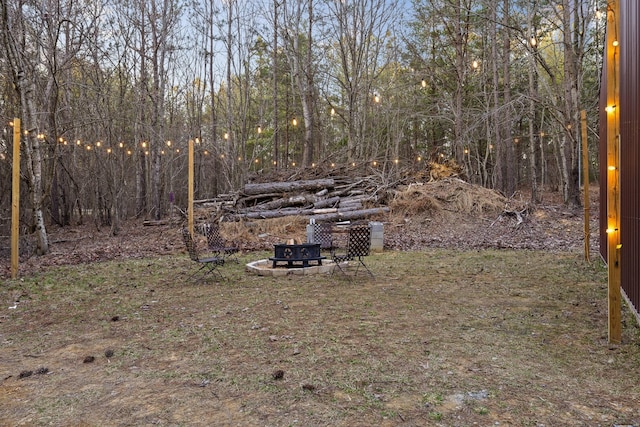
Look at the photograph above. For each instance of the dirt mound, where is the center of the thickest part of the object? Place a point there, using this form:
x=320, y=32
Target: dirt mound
x=450, y=195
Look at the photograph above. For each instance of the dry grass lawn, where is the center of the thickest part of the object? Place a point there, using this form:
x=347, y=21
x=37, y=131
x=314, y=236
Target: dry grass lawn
x=439, y=337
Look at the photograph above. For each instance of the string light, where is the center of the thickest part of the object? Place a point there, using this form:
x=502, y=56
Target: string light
x=99, y=145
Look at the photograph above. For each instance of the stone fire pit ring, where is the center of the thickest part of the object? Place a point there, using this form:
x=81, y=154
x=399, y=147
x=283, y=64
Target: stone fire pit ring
x=264, y=267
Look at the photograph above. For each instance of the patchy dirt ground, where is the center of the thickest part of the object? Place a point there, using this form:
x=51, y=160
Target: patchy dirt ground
x=109, y=331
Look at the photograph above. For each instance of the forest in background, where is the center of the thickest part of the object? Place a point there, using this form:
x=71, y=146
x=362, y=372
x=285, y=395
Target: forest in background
x=110, y=92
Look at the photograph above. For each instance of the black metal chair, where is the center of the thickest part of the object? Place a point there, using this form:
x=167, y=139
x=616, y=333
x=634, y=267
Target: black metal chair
x=323, y=234
x=208, y=264
x=358, y=247
x=217, y=244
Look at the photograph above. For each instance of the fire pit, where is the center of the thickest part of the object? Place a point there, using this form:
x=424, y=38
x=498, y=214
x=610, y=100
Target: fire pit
x=296, y=255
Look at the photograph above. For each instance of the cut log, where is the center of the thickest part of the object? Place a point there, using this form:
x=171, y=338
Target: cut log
x=324, y=211
x=339, y=215
x=352, y=204
x=284, y=187
x=325, y=203
x=349, y=215
x=284, y=202
x=151, y=223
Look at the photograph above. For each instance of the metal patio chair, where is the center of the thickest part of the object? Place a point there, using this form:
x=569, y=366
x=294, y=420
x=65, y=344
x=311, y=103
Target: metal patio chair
x=323, y=234
x=358, y=247
x=208, y=265
x=217, y=244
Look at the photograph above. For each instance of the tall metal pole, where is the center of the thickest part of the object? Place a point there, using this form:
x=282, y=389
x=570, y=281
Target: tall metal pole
x=15, y=200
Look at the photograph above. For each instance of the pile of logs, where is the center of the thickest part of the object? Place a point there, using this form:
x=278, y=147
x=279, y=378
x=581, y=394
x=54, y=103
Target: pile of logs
x=325, y=199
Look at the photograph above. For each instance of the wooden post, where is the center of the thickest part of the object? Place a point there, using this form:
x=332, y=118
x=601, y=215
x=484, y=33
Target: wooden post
x=190, y=206
x=15, y=200
x=613, y=172
x=585, y=180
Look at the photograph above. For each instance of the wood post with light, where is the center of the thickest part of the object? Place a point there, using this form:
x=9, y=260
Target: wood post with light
x=585, y=180
x=614, y=246
x=15, y=200
x=190, y=197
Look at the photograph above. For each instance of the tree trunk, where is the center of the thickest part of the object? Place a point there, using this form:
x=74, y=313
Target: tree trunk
x=282, y=187
x=533, y=97
x=141, y=168
x=510, y=156
x=276, y=130
x=32, y=150
x=572, y=57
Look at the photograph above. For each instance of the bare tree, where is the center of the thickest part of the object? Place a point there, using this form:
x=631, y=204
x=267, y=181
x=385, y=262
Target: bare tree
x=15, y=40
x=359, y=26
x=299, y=47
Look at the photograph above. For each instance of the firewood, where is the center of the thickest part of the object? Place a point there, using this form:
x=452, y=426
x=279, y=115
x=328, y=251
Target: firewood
x=284, y=187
